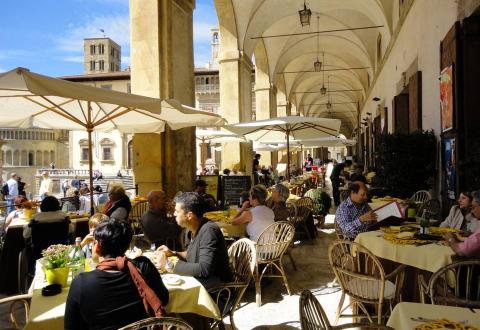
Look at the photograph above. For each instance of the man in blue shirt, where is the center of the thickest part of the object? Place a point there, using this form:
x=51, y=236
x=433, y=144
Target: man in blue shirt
x=354, y=216
x=12, y=184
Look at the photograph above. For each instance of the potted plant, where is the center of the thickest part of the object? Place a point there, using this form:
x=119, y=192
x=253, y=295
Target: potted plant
x=55, y=261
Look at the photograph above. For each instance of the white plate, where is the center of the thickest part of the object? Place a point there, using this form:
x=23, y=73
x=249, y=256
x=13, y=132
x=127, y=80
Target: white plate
x=172, y=279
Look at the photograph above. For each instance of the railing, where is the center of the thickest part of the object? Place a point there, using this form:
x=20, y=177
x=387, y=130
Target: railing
x=73, y=172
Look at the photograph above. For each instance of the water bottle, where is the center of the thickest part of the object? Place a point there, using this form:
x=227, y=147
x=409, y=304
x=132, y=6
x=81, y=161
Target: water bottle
x=77, y=258
x=424, y=223
x=226, y=208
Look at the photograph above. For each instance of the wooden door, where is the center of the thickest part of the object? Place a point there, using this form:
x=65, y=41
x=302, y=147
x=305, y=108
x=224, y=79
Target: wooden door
x=415, y=102
x=400, y=113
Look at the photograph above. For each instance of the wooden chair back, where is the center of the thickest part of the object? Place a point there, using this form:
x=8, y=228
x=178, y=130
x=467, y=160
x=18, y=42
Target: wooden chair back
x=303, y=209
x=358, y=271
x=421, y=196
x=457, y=284
x=135, y=214
x=274, y=241
x=312, y=315
x=154, y=323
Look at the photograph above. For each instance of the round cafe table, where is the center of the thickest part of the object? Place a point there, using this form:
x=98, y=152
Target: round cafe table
x=225, y=223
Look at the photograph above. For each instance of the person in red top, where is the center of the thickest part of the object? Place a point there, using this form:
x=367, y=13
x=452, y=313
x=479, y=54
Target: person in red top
x=471, y=246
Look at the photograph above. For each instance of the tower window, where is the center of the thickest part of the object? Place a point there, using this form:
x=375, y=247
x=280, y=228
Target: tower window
x=101, y=65
x=92, y=49
x=92, y=65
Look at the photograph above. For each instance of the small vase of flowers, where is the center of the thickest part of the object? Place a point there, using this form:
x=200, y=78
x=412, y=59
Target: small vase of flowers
x=55, y=261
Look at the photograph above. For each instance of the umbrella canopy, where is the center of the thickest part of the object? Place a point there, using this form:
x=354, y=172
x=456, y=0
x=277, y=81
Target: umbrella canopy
x=333, y=141
x=29, y=100
x=207, y=136
x=282, y=129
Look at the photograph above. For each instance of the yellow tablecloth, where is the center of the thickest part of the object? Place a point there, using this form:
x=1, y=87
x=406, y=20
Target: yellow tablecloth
x=430, y=257
x=47, y=313
x=402, y=314
x=224, y=222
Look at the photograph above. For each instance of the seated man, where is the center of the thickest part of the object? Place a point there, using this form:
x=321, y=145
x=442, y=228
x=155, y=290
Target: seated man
x=154, y=222
x=254, y=213
x=50, y=212
x=471, y=246
x=201, y=189
x=110, y=296
x=278, y=202
x=354, y=216
x=118, y=206
x=206, y=257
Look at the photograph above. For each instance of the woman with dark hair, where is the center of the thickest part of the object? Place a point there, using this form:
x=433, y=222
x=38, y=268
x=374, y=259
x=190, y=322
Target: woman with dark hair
x=50, y=212
x=118, y=206
x=460, y=216
x=120, y=291
x=278, y=202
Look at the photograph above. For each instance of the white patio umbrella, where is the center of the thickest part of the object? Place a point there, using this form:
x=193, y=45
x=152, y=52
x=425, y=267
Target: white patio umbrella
x=207, y=136
x=282, y=129
x=29, y=100
x=332, y=141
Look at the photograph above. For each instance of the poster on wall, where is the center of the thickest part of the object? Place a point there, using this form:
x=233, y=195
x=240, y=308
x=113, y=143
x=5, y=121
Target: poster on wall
x=446, y=98
x=450, y=165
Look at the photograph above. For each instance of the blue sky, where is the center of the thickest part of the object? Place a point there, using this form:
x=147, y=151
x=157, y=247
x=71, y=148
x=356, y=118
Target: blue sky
x=46, y=36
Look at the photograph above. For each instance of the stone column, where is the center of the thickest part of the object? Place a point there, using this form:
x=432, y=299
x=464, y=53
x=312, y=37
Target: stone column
x=236, y=106
x=162, y=67
x=266, y=108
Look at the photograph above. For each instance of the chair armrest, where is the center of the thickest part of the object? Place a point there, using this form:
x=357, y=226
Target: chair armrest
x=220, y=287
x=16, y=298
x=395, y=272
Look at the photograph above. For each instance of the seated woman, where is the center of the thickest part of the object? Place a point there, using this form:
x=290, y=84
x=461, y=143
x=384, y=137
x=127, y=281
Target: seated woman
x=278, y=201
x=18, y=204
x=120, y=290
x=460, y=216
x=50, y=212
x=118, y=206
x=254, y=213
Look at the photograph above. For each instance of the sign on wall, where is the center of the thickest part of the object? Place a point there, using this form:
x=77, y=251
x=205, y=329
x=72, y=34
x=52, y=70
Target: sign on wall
x=450, y=166
x=446, y=98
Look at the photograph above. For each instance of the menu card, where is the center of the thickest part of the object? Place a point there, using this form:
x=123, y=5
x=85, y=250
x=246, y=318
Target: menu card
x=391, y=209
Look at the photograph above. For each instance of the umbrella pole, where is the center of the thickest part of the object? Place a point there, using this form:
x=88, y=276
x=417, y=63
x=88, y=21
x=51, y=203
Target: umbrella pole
x=288, y=155
x=90, y=166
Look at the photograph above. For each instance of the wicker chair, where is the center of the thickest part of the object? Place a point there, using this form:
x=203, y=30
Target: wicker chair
x=313, y=317
x=271, y=246
x=457, y=284
x=135, y=214
x=167, y=323
x=23, y=299
x=304, y=209
x=362, y=278
x=431, y=207
x=421, y=196
x=228, y=295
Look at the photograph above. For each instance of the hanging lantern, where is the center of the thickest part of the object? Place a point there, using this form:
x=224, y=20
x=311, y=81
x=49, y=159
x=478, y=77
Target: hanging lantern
x=305, y=15
x=329, y=105
x=323, y=90
x=317, y=65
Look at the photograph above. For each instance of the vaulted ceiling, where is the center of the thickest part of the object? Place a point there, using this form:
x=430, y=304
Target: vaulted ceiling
x=270, y=31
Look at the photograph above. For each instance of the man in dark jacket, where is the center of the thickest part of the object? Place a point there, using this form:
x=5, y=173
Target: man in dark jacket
x=206, y=257
x=335, y=178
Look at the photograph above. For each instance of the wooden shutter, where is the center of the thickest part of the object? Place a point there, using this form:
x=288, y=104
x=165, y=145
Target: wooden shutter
x=400, y=113
x=415, y=102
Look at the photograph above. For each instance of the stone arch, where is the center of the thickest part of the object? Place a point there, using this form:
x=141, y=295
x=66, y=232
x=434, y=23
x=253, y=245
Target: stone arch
x=8, y=157
x=46, y=157
x=23, y=158
x=52, y=156
x=31, y=158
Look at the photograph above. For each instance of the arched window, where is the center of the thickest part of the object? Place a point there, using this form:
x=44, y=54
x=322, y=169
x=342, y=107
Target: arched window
x=206, y=81
x=52, y=156
x=379, y=49
x=215, y=38
x=38, y=158
x=46, y=157
x=107, y=147
x=83, y=150
x=8, y=158
x=16, y=158
x=24, y=158
x=31, y=161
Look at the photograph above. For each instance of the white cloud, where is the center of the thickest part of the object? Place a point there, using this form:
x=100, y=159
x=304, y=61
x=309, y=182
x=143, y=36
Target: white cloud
x=13, y=53
x=74, y=59
x=116, y=28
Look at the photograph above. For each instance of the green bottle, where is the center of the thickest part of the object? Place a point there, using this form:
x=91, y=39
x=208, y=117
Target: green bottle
x=424, y=223
x=226, y=208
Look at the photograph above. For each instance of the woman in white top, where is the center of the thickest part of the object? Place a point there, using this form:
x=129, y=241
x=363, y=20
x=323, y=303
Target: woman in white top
x=254, y=213
x=460, y=216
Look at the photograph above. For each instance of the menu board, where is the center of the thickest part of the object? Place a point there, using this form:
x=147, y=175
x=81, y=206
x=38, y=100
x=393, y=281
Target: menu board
x=233, y=186
x=213, y=182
